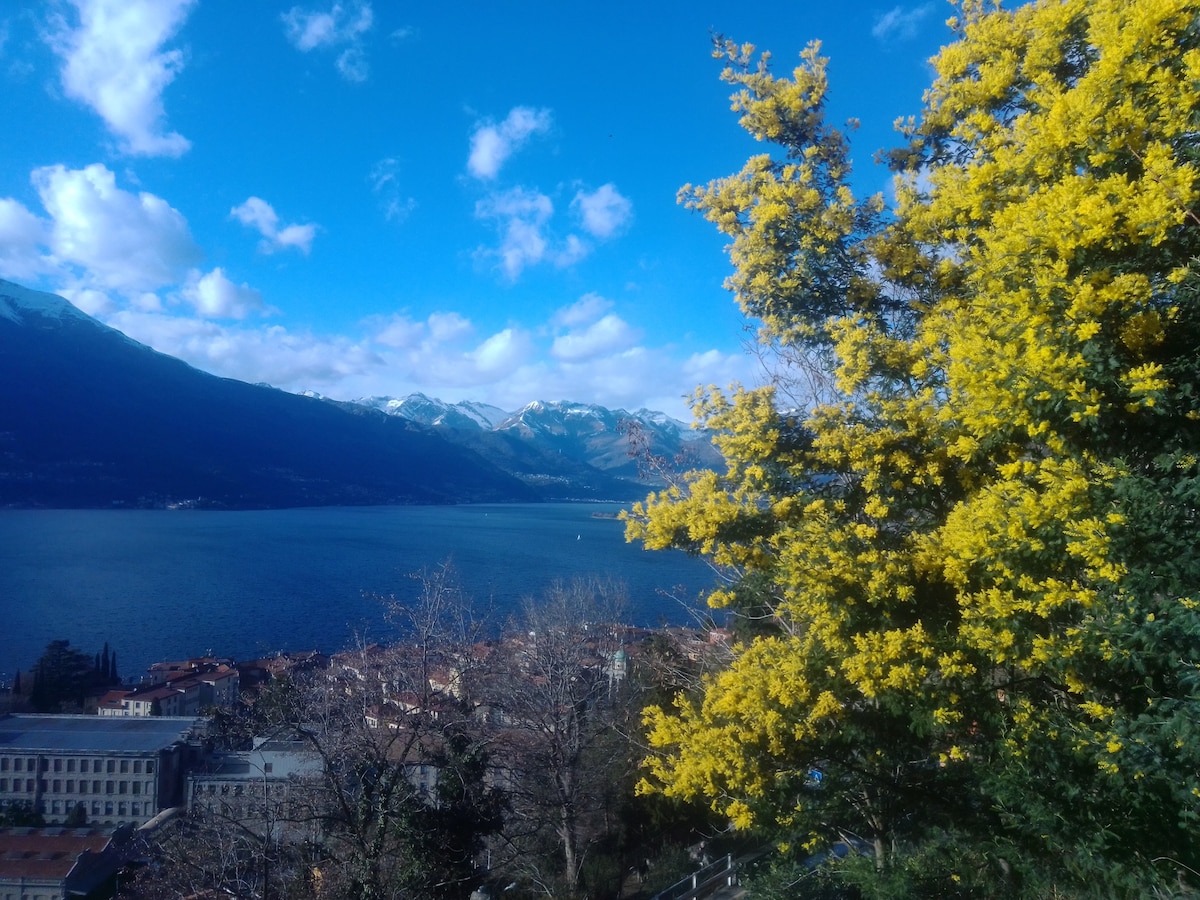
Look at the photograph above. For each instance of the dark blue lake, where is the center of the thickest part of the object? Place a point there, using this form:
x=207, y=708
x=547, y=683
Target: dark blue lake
x=160, y=584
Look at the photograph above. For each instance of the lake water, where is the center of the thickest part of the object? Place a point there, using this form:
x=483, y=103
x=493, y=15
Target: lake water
x=160, y=584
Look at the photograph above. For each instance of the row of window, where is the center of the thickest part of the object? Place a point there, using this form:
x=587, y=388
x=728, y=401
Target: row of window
x=109, y=766
x=256, y=787
x=121, y=809
x=97, y=786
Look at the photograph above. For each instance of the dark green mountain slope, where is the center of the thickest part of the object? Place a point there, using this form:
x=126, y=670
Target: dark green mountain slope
x=89, y=417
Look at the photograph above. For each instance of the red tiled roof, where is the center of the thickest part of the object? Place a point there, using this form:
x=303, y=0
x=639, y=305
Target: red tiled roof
x=46, y=853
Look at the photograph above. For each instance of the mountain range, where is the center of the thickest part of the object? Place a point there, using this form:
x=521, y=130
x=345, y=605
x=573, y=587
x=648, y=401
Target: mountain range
x=91, y=418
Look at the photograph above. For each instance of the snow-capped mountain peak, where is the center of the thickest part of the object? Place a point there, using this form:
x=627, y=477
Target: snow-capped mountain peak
x=604, y=440
x=17, y=302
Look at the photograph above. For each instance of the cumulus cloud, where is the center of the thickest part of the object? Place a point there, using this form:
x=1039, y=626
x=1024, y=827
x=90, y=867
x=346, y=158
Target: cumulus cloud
x=268, y=354
x=440, y=354
x=113, y=61
x=599, y=360
x=123, y=241
x=900, y=23
x=591, y=330
x=214, y=296
x=448, y=326
x=259, y=214
x=611, y=333
x=521, y=216
x=492, y=144
x=587, y=309
x=90, y=300
x=400, y=332
x=443, y=351
x=603, y=212
x=501, y=353
x=572, y=251
x=429, y=336
x=22, y=238
x=343, y=25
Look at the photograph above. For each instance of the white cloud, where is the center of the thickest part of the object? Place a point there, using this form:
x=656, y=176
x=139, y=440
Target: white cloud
x=440, y=355
x=606, y=336
x=342, y=24
x=147, y=301
x=352, y=64
x=384, y=178
x=384, y=174
x=448, y=326
x=266, y=354
x=22, y=239
x=572, y=251
x=259, y=214
x=124, y=241
x=214, y=296
x=308, y=30
x=92, y=302
x=501, y=353
x=425, y=338
x=522, y=216
x=400, y=332
x=600, y=362
x=114, y=62
x=584, y=311
x=899, y=23
x=603, y=212
x=492, y=144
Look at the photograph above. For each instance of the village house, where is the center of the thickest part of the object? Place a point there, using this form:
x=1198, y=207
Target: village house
x=257, y=672
x=176, y=689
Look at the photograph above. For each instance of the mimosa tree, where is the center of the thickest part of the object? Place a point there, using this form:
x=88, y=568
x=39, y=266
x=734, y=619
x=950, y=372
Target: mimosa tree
x=977, y=551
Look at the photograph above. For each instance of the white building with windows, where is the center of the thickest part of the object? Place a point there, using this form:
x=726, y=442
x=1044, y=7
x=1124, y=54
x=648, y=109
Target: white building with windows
x=268, y=789
x=120, y=770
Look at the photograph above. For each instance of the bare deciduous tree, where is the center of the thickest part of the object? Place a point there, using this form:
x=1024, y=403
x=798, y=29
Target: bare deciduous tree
x=559, y=678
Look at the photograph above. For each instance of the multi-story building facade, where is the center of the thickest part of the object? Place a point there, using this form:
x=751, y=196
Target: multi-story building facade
x=268, y=789
x=119, y=770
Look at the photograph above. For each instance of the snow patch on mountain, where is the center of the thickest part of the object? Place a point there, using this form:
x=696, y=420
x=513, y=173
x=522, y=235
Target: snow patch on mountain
x=17, y=302
x=431, y=411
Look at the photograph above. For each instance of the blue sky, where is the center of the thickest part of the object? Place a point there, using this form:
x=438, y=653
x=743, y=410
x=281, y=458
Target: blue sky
x=472, y=200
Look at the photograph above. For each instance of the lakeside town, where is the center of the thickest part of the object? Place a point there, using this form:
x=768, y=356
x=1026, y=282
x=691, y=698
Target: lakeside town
x=314, y=774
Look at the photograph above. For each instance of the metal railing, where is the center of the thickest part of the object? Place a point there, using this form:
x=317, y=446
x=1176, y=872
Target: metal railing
x=702, y=882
